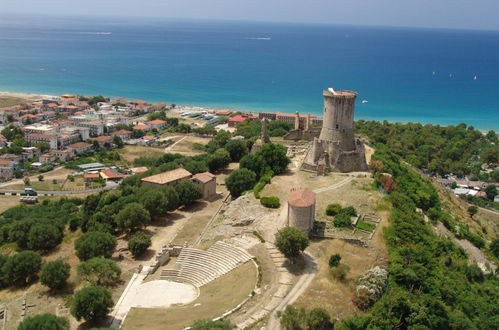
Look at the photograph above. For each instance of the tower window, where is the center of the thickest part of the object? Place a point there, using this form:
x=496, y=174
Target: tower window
x=337, y=126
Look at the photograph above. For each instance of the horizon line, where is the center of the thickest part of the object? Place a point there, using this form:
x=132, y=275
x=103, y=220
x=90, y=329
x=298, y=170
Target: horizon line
x=138, y=17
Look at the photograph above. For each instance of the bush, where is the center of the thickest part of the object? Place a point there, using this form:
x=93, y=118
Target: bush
x=44, y=322
x=340, y=272
x=188, y=192
x=291, y=242
x=55, y=274
x=44, y=237
x=334, y=260
x=350, y=211
x=21, y=268
x=132, y=217
x=95, y=244
x=270, y=202
x=99, y=271
x=342, y=220
x=319, y=319
x=139, y=243
x=237, y=149
x=239, y=181
x=91, y=303
x=333, y=209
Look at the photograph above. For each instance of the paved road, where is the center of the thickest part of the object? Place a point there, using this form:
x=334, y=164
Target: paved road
x=304, y=281
x=110, y=185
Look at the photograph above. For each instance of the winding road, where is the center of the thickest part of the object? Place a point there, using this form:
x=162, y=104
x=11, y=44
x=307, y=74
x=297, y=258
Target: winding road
x=109, y=185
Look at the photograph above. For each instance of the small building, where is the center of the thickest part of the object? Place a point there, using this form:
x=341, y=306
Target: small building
x=138, y=170
x=89, y=167
x=51, y=139
x=208, y=184
x=167, y=178
x=80, y=147
x=141, y=127
x=6, y=169
x=104, y=141
x=301, y=209
x=47, y=158
x=123, y=134
x=111, y=175
x=157, y=124
x=63, y=155
x=239, y=119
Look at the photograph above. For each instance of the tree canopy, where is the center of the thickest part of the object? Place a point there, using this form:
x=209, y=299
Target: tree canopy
x=55, y=274
x=291, y=242
x=44, y=322
x=95, y=244
x=91, y=303
x=99, y=271
x=239, y=181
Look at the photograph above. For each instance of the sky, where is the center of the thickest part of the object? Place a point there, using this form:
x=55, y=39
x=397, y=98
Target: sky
x=461, y=14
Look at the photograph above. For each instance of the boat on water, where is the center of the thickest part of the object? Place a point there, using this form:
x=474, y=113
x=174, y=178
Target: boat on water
x=364, y=101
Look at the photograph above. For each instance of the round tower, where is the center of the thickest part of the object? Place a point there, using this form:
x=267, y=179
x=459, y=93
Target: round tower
x=301, y=209
x=337, y=123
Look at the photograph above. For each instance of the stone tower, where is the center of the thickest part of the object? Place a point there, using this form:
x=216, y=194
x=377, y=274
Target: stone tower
x=336, y=149
x=264, y=137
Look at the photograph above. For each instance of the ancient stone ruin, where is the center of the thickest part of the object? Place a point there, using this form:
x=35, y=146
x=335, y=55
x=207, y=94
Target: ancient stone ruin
x=336, y=148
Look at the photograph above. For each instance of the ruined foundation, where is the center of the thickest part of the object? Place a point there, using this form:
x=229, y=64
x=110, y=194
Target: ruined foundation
x=336, y=148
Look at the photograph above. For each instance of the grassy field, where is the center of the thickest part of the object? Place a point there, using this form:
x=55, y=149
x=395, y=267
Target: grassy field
x=216, y=298
x=130, y=153
x=7, y=101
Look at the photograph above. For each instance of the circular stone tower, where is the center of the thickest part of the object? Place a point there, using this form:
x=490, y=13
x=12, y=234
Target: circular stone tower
x=338, y=118
x=301, y=209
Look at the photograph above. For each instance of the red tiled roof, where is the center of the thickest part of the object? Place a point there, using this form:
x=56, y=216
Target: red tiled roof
x=241, y=118
x=91, y=176
x=204, y=177
x=301, y=197
x=140, y=127
x=169, y=176
x=156, y=122
x=111, y=174
x=122, y=132
x=5, y=162
x=2, y=138
x=42, y=136
x=102, y=138
x=79, y=145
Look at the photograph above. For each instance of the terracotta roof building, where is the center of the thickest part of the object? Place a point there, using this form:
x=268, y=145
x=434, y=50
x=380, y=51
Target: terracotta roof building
x=167, y=178
x=239, y=119
x=207, y=182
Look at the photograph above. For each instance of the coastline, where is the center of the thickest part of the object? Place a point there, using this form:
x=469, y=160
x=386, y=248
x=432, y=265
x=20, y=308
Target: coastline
x=39, y=96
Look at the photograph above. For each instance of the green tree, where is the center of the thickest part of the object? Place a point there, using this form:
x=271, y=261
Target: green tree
x=491, y=192
x=158, y=201
x=319, y=319
x=255, y=163
x=293, y=318
x=99, y=271
x=40, y=178
x=275, y=157
x=490, y=155
x=118, y=141
x=44, y=322
x=95, y=244
x=212, y=325
x=54, y=274
x=218, y=160
x=494, y=247
x=44, y=237
x=139, y=243
x=291, y=242
x=237, y=149
x=334, y=260
x=472, y=210
x=132, y=217
x=188, y=192
x=239, y=181
x=22, y=267
x=333, y=209
x=92, y=303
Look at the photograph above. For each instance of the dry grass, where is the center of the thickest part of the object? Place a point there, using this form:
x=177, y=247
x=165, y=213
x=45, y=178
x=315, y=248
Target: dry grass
x=7, y=101
x=185, y=146
x=215, y=298
x=130, y=153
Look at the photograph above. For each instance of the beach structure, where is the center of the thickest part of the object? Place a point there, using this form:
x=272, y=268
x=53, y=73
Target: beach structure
x=336, y=148
x=301, y=209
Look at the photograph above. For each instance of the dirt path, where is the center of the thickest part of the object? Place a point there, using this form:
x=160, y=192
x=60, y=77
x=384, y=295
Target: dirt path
x=334, y=186
x=472, y=250
x=169, y=148
x=301, y=285
x=489, y=211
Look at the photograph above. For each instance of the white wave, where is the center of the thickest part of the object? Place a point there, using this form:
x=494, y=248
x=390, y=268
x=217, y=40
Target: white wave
x=259, y=38
x=99, y=33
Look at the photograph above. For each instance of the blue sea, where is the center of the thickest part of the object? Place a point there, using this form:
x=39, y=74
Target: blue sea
x=406, y=74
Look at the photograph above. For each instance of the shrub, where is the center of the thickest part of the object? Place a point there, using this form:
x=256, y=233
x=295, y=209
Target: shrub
x=91, y=303
x=55, y=274
x=333, y=209
x=319, y=319
x=342, y=220
x=212, y=325
x=95, y=244
x=349, y=210
x=99, y=271
x=44, y=322
x=334, y=260
x=340, y=272
x=139, y=243
x=291, y=242
x=370, y=288
x=132, y=217
x=44, y=237
x=188, y=192
x=270, y=202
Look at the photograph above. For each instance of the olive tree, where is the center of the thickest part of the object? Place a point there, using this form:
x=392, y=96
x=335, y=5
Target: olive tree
x=55, y=274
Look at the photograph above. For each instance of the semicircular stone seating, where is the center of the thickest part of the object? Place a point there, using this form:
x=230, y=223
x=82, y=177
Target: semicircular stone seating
x=199, y=267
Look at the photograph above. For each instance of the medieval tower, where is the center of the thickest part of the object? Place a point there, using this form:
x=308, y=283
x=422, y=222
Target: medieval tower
x=336, y=149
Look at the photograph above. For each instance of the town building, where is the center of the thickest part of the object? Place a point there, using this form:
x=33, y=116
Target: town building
x=104, y=141
x=124, y=135
x=80, y=147
x=3, y=141
x=169, y=178
x=301, y=209
x=7, y=168
x=208, y=184
x=47, y=158
x=233, y=121
x=141, y=127
x=111, y=175
x=157, y=124
x=63, y=155
x=51, y=139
